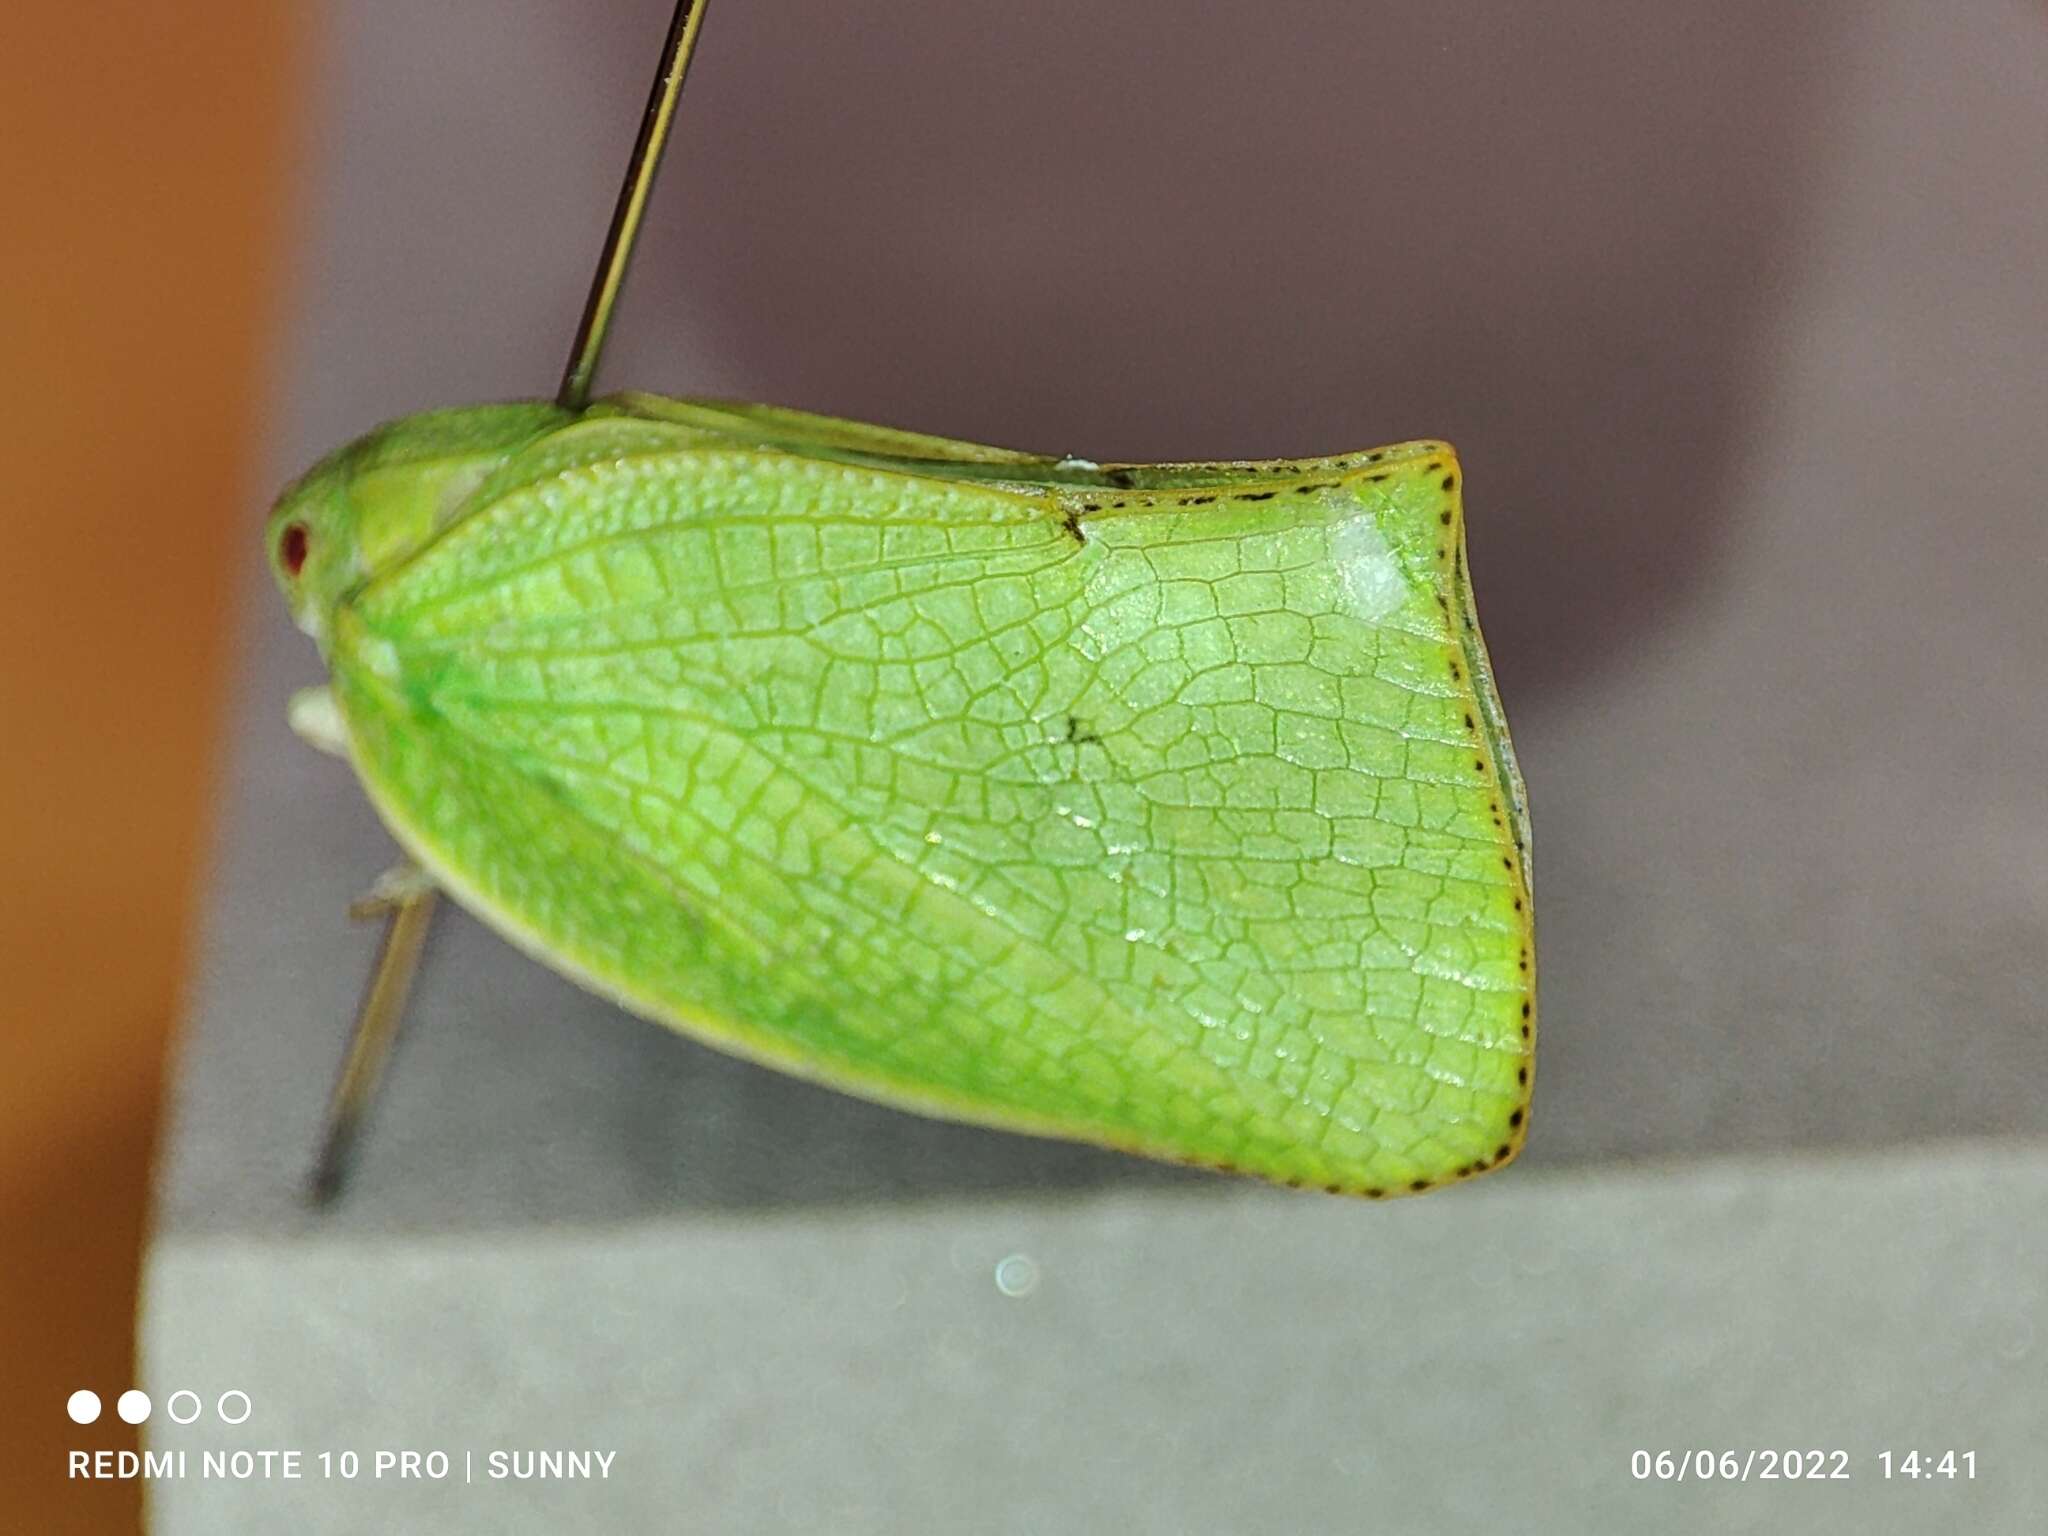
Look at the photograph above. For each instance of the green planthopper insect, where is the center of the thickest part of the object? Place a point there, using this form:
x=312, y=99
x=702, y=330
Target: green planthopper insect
x=1168, y=807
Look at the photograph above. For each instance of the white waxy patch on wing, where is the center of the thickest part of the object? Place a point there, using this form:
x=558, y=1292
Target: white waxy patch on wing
x=1367, y=568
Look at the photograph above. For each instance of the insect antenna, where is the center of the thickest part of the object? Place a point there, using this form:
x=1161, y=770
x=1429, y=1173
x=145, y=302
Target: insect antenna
x=411, y=911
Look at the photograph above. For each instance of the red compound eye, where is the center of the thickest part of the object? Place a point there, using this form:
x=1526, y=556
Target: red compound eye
x=291, y=549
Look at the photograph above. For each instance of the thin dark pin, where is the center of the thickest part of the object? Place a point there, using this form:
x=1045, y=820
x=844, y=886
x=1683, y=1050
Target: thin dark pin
x=593, y=330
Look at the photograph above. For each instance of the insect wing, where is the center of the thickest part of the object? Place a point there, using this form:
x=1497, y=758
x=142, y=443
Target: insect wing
x=1171, y=820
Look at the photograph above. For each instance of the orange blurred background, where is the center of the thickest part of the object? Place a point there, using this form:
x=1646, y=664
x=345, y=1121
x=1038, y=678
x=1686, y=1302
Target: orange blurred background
x=144, y=168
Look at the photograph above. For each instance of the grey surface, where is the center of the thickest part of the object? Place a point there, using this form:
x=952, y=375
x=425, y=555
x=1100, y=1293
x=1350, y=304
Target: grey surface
x=1261, y=1362
x=1737, y=318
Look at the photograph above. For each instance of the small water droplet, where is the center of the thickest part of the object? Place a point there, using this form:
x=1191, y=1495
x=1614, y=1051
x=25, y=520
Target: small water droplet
x=1017, y=1275
x=2021, y=1343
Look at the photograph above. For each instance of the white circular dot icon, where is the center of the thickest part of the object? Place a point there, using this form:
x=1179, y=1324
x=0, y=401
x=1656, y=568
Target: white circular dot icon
x=83, y=1406
x=171, y=1406
x=133, y=1406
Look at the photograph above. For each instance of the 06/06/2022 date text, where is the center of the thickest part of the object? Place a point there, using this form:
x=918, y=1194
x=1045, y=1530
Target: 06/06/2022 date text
x=1766, y=1465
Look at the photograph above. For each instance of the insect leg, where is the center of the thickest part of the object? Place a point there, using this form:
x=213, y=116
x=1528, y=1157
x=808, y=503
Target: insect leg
x=317, y=722
x=391, y=890
x=409, y=901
